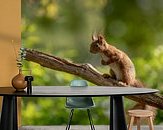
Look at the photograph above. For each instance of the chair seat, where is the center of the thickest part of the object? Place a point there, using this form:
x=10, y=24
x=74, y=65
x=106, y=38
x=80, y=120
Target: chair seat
x=79, y=102
x=140, y=113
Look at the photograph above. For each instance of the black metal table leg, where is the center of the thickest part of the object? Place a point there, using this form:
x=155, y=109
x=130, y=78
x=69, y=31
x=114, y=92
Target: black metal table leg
x=9, y=113
x=117, y=116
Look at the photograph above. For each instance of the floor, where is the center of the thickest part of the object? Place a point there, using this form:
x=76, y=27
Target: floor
x=81, y=127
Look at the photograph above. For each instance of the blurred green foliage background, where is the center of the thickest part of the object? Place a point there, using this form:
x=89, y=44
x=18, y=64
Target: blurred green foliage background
x=64, y=28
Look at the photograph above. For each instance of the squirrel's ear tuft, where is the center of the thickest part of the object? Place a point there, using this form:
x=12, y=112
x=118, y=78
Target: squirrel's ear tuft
x=100, y=38
x=94, y=37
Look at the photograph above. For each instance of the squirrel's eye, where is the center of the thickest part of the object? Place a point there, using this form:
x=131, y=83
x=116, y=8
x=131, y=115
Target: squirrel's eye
x=96, y=45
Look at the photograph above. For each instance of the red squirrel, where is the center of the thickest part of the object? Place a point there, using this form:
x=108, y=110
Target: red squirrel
x=121, y=66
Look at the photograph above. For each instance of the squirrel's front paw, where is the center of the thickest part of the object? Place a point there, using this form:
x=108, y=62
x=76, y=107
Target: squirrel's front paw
x=122, y=83
x=106, y=76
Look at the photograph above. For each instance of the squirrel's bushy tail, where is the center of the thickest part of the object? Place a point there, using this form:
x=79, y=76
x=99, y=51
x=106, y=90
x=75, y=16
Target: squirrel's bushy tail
x=138, y=84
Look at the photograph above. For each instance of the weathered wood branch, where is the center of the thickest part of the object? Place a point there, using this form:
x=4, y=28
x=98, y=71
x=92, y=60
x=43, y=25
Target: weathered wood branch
x=88, y=72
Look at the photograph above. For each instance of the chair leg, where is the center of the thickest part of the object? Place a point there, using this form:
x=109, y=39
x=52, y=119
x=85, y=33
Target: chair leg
x=150, y=120
x=90, y=119
x=138, y=123
x=70, y=119
x=131, y=123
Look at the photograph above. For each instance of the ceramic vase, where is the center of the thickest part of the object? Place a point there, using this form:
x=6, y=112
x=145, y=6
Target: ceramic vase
x=18, y=82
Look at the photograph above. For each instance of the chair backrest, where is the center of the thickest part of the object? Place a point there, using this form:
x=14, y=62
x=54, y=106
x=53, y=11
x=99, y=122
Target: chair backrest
x=79, y=102
x=78, y=83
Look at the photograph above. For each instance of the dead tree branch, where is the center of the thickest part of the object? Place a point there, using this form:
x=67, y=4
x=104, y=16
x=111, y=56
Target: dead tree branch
x=88, y=72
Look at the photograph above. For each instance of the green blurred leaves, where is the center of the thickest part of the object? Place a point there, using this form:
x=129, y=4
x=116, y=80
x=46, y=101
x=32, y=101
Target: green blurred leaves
x=64, y=28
